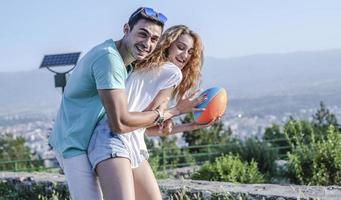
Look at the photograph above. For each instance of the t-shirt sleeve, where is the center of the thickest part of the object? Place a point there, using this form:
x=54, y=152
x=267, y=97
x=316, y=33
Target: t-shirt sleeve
x=171, y=76
x=109, y=72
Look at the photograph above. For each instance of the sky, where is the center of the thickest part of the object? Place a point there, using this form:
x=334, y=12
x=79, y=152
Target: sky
x=31, y=29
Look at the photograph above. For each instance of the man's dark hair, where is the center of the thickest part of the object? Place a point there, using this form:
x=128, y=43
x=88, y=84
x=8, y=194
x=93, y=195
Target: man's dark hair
x=136, y=16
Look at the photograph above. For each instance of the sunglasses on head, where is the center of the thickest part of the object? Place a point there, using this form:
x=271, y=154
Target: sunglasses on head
x=150, y=13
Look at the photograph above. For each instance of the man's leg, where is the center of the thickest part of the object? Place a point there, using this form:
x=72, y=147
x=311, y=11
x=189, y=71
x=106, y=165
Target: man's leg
x=81, y=180
x=116, y=179
x=146, y=186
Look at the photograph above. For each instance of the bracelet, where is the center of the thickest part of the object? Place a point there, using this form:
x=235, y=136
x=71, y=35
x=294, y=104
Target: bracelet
x=160, y=119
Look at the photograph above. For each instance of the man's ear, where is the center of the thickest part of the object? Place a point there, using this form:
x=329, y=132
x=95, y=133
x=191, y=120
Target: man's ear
x=126, y=29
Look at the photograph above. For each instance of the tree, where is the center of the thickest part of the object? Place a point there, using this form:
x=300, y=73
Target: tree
x=213, y=137
x=276, y=138
x=216, y=134
x=323, y=118
x=11, y=149
x=168, y=155
x=251, y=149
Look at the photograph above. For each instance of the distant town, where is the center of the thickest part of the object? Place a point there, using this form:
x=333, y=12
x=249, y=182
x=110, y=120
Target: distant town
x=35, y=127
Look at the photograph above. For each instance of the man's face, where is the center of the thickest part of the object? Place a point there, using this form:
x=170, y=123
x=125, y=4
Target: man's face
x=142, y=39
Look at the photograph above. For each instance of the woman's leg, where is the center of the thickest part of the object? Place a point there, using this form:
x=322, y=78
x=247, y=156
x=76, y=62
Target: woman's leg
x=145, y=183
x=116, y=179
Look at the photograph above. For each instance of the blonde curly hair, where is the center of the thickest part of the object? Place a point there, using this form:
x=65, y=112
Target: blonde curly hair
x=190, y=72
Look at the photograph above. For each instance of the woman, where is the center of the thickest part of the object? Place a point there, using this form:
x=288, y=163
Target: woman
x=120, y=160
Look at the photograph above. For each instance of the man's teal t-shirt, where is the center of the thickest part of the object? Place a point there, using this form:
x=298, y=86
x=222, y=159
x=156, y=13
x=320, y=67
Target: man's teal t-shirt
x=80, y=110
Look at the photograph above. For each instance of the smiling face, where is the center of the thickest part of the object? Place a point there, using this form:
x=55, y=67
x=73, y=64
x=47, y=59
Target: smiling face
x=142, y=39
x=181, y=50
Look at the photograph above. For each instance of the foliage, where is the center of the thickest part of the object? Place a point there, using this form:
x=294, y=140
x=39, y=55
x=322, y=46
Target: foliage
x=231, y=169
x=171, y=155
x=185, y=194
x=277, y=139
x=216, y=134
x=14, y=189
x=322, y=119
x=158, y=170
x=13, y=149
x=258, y=151
x=313, y=157
x=168, y=155
x=317, y=162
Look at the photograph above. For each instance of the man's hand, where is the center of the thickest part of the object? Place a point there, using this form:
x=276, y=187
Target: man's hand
x=199, y=126
x=166, y=128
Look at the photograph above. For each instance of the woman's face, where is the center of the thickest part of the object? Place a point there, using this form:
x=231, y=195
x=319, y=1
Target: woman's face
x=181, y=50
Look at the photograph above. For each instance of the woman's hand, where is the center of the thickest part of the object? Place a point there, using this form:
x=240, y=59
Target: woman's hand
x=186, y=105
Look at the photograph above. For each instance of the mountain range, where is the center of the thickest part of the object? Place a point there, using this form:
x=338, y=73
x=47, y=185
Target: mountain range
x=255, y=83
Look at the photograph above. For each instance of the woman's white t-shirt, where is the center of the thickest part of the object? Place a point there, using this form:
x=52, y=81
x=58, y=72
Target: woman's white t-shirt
x=141, y=89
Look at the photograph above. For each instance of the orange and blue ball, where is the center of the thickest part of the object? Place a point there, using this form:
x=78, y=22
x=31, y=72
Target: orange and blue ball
x=215, y=105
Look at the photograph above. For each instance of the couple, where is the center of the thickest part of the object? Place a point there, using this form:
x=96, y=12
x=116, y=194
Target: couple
x=118, y=92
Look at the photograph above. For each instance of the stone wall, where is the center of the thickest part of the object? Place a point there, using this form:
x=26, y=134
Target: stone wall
x=54, y=187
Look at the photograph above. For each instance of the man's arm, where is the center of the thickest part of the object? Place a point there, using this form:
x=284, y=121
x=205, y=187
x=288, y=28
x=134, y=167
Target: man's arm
x=119, y=118
x=123, y=121
x=169, y=128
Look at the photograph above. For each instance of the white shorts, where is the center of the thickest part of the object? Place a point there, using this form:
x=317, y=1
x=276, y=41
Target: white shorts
x=105, y=144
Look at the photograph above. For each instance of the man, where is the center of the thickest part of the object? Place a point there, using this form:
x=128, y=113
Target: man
x=97, y=86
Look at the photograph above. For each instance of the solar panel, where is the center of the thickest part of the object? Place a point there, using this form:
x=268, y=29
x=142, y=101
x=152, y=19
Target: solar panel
x=60, y=59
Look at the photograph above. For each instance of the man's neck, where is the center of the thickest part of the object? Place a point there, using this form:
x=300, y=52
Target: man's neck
x=123, y=50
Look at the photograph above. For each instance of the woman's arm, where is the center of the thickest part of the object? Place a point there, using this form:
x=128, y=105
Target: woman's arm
x=169, y=128
x=160, y=100
x=162, y=97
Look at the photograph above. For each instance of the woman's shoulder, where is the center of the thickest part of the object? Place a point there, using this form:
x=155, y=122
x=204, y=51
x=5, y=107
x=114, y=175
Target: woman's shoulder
x=170, y=68
x=164, y=72
x=169, y=65
x=171, y=74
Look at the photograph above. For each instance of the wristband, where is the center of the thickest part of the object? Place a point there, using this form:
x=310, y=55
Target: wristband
x=160, y=119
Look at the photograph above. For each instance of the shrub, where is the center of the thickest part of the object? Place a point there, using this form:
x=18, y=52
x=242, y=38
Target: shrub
x=171, y=156
x=277, y=139
x=215, y=134
x=14, y=149
x=13, y=189
x=158, y=170
x=229, y=168
x=262, y=153
x=317, y=162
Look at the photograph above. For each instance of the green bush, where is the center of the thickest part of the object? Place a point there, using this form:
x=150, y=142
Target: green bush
x=171, y=156
x=229, y=168
x=276, y=138
x=215, y=134
x=14, y=149
x=253, y=149
x=322, y=119
x=14, y=189
x=314, y=160
x=159, y=171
